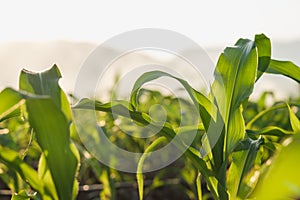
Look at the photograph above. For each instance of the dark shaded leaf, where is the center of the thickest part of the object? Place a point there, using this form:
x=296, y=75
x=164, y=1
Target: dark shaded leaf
x=263, y=45
x=242, y=161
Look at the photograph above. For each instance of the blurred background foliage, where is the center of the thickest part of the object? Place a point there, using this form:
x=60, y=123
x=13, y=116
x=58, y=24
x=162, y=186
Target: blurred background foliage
x=178, y=180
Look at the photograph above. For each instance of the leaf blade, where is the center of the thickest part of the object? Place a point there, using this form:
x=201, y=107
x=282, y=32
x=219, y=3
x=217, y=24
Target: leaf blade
x=263, y=45
x=206, y=107
x=139, y=173
x=235, y=76
x=285, y=68
x=52, y=132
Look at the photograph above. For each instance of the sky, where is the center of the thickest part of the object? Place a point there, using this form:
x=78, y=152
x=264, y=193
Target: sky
x=209, y=23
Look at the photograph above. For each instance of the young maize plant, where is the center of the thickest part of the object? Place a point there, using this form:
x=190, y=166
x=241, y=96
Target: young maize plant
x=233, y=159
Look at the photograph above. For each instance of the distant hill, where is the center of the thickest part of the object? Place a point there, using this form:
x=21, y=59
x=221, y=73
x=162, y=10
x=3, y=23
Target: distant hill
x=69, y=56
x=39, y=56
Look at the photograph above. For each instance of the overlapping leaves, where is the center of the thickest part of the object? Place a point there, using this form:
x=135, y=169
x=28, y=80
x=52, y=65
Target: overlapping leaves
x=49, y=115
x=231, y=146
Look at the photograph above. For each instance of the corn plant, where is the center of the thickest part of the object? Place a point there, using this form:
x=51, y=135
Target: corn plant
x=229, y=160
x=240, y=151
x=41, y=101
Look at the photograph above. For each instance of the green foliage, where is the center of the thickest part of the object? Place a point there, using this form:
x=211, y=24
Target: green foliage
x=285, y=68
x=48, y=114
x=139, y=173
x=22, y=195
x=240, y=151
x=235, y=154
x=282, y=177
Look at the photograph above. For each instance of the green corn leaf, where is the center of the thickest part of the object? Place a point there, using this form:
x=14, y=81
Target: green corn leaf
x=235, y=75
x=213, y=142
x=263, y=113
x=118, y=107
x=22, y=195
x=12, y=160
x=282, y=180
x=285, y=68
x=263, y=45
x=270, y=130
x=206, y=107
x=139, y=173
x=266, y=64
x=19, y=197
x=10, y=101
x=52, y=133
x=122, y=108
x=49, y=114
x=46, y=83
x=45, y=176
x=242, y=161
x=295, y=122
x=198, y=185
x=273, y=130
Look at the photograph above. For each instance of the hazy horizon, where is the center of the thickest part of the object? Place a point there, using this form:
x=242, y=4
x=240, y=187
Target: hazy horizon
x=70, y=55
